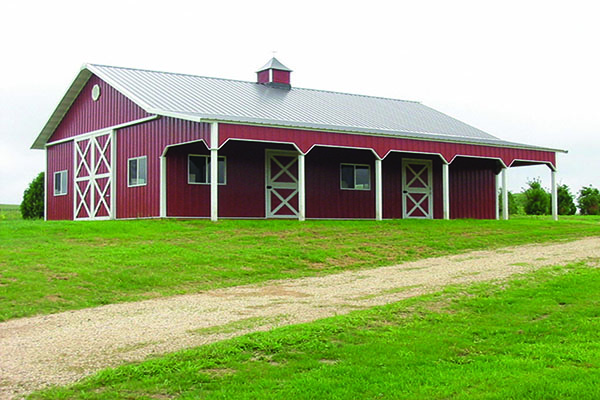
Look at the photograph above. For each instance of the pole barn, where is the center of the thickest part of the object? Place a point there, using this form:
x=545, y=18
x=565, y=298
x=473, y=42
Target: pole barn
x=129, y=143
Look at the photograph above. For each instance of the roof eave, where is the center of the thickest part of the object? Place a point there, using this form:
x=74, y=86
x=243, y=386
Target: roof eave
x=351, y=130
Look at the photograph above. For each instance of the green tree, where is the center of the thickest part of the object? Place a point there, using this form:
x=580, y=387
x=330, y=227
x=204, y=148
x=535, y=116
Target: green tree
x=589, y=201
x=513, y=207
x=537, y=200
x=32, y=206
x=566, y=201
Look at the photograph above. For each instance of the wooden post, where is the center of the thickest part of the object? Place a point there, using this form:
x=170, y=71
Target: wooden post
x=378, y=190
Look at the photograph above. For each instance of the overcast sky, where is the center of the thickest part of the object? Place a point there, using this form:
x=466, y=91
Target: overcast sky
x=525, y=71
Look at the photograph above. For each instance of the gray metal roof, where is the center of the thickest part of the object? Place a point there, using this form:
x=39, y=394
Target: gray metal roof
x=274, y=64
x=200, y=98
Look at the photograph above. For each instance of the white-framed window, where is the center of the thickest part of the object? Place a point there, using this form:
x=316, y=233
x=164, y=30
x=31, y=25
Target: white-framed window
x=60, y=183
x=355, y=177
x=137, y=171
x=199, y=169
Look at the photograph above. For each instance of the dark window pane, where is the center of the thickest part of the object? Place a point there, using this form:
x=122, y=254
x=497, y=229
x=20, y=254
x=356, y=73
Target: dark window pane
x=197, y=170
x=347, y=177
x=363, y=177
x=132, y=172
x=57, y=183
x=221, y=169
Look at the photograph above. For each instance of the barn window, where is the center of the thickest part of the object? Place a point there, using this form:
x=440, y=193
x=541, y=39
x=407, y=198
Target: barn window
x=355, y=176
x=136, y=171
x=60, y=183
x=199, y=169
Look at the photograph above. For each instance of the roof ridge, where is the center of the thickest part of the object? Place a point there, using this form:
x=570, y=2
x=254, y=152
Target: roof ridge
x=253, y=83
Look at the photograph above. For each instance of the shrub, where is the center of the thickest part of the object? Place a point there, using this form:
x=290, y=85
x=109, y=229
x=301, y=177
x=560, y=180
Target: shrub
x=566, y=201
x=589, y=201
x=537, y=200
x=513, y=206
x=32, y=206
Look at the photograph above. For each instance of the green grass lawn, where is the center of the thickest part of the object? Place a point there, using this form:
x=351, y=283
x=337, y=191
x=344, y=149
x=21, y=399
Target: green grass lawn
x=536, y=337
x=9, y=212
x=54, y=266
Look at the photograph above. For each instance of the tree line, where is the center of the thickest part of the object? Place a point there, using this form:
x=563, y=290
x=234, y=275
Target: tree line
x=535, y=200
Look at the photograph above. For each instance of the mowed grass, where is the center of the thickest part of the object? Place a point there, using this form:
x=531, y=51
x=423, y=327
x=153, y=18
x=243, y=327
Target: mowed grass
x=535, y=337
x=53, y=266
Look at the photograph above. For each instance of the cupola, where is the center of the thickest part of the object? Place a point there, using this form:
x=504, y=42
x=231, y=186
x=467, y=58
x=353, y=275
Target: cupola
x=274, y=74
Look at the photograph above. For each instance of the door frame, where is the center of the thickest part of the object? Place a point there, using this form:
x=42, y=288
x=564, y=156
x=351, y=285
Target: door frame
x=407, y=190
x=269, y=153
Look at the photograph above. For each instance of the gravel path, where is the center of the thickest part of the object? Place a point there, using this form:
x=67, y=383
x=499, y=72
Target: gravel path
x=61, y=348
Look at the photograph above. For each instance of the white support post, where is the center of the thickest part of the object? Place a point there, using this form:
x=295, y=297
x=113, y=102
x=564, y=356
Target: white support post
x=554, y=196
x=446, y=189
x=497, y=188
x=378, y=190
x=504, y=195
x=301, y=187
x=214, y=171
x=46, y=184
x=113, y=174
x=163, y=186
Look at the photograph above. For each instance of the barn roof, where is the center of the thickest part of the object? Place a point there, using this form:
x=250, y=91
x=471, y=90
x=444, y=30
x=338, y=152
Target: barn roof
x=200, y=98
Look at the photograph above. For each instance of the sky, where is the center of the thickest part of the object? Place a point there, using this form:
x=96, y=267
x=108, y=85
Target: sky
x=524, y=71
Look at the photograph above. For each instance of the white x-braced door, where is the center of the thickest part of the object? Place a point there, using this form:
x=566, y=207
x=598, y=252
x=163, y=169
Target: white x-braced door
x=281, y=184
x=93, y=177
x=417, y=189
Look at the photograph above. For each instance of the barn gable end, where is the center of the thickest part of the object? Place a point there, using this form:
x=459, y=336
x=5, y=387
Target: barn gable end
x=87, y=115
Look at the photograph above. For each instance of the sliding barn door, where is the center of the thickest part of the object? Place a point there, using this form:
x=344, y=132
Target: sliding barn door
x=94, y=177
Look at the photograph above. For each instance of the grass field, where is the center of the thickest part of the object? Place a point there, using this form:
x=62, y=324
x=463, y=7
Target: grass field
x=48, y=267
x=532, y=338
x=9, y=212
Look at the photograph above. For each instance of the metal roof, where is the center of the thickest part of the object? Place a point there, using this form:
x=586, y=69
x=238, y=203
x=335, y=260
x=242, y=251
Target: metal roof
x=199, y=98
x=274, y=64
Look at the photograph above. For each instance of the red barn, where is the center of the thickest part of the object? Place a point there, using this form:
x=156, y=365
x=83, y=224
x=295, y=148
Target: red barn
x=129, y=143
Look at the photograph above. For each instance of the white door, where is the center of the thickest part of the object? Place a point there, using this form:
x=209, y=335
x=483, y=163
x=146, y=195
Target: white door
x=417, y=189
x=281, y=184
x=93, y=177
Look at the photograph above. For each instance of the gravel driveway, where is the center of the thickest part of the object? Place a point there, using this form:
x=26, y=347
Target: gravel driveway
x=61, y=348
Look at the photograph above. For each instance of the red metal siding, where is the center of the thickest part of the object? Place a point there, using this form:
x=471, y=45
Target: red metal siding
x=281, y=76
x=472, y=189
x=60, y=158
x=86, y=115
x=324, y=197
x=183, y=199
x=392, y=184
x=305, y=140
x=150, y=140
x=263, y=76
x=244, y=194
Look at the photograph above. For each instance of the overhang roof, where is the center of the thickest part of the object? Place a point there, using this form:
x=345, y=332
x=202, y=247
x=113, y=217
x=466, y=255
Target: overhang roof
x=199, y=98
